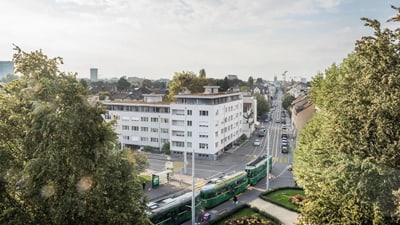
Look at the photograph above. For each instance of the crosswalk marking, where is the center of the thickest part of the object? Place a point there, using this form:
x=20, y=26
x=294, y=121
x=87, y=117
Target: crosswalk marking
x=199, y=184
x=280, y=159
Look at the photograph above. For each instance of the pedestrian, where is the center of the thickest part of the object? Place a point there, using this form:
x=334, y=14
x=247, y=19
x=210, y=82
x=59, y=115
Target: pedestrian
x=144, y=186
x=235, y=200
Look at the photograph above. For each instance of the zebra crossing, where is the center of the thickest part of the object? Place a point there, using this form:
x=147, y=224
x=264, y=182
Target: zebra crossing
x=280, y=159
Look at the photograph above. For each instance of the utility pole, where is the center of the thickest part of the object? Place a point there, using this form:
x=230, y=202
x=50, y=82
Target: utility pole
x=284, y=77
x=193, y=192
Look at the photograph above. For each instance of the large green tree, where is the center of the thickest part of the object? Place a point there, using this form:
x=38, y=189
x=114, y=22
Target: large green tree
x=348, y=156
x=57, y=163
x=202, y=73
x=287, y=101
x=262, y=105
x=250, y=81
x=123, y=84
x=188, y=80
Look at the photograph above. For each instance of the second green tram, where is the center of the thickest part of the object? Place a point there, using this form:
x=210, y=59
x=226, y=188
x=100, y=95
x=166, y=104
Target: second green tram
x=173, y=211
x=220, y=189
x=256, y=169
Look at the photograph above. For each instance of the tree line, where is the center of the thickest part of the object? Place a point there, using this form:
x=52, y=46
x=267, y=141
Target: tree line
x=347, y=158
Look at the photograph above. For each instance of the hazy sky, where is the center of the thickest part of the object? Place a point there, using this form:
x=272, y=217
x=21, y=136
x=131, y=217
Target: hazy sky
x=155, y=38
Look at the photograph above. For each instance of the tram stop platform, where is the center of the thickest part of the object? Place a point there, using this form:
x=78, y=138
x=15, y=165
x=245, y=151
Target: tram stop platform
x=177, y=185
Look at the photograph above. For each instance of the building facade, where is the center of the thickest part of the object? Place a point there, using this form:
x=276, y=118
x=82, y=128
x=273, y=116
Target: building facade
x=6, y=67
x=140, y=123
x=94, y=74
x=206, y=123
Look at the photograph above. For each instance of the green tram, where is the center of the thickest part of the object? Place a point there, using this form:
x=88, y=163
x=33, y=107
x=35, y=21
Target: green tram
x=173, y=211
x=256, y=169
x=220, y=189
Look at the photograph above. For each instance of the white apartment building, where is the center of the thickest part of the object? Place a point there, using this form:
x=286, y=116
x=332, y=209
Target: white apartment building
x=205, y=123
x=140, y=123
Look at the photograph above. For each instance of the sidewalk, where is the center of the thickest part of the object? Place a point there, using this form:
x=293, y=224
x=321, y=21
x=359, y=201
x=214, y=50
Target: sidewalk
x=250, y=197
x=178, y=185
x=287, y=217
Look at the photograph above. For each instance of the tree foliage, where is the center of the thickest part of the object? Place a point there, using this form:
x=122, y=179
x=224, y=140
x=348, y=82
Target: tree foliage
x=123, y=84
x=9, y=78
x=287, y=101
x=57, y=165
x=262, y=105
x=348, y=156
x=202, y=73
x=188, y=80
x=250, y=81
x=83, y=83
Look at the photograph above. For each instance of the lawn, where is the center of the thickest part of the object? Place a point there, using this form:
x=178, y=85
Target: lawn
x=144, y=178
x=281, y=197
x=242, y=213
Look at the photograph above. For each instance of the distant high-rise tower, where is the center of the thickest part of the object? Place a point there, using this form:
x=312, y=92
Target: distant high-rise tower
x=93, y=74
x=6, y=67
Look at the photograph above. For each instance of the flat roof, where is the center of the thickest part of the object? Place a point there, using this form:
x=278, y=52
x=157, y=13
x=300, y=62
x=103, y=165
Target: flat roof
x=133, y=102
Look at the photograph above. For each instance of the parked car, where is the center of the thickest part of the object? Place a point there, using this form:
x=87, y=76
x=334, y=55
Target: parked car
x=261, y=133
x=284, y=149
x=257, y=142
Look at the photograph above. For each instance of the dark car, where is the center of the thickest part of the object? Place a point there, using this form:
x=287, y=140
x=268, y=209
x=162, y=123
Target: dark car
x=284, y=149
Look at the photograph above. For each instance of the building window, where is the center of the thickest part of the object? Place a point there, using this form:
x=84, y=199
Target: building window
x=189, y=123
x=203, y=136
x=216, y=144
x=154, y=139
x=189, y=112
x=178, y=144
x=189, y=144
x=178, y=133
x=135, y=128
x=203, y=146
x=107, y=116
x=203, y=124
x=164, y=140
x=145, y=129
x=203, y=113
x=144, y=139
x=164, y=120
x=154, y=129
x=144, y=119
x=216, y=133
x=164, y=130
x=189, y=133
x=125, y=127
x=125, y=137
x=154, y=119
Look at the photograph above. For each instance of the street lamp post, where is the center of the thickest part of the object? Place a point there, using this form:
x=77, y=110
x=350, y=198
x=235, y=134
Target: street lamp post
x=193, y=192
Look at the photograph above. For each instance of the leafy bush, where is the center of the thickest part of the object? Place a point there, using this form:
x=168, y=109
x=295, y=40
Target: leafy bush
x=298, y=200
x=249, y=220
